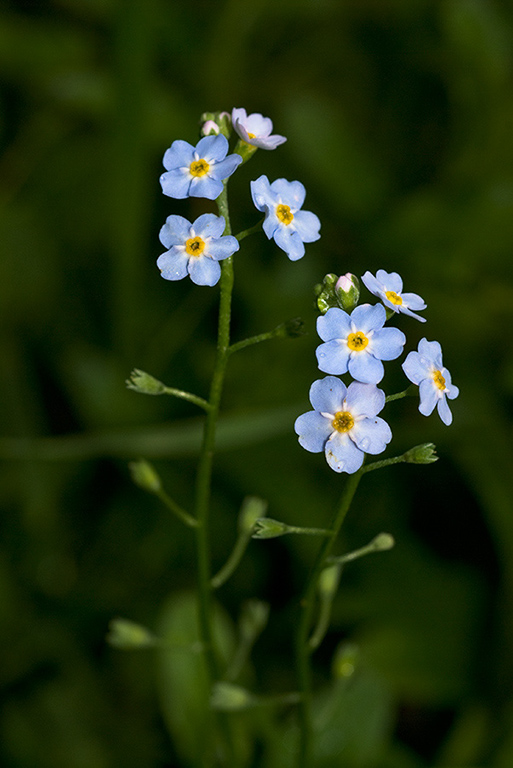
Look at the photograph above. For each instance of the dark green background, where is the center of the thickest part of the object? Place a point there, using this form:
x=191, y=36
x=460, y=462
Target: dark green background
x=399, y=117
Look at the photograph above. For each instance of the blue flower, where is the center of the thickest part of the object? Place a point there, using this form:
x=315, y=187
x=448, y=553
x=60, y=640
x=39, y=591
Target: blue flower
x=195, y=249
x=426, y=369
x=344, y=423
x=284, y=221
x=255, y=129
x=388, y=286
x=357, y=342
x=198, y=171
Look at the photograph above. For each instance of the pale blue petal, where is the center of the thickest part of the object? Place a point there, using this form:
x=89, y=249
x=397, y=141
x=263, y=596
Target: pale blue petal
x=238, y=113
x=364, y=399
x=176, y=183
x=212, y=148
x=413, y=301
x=204, y=271
x=371, y=435
x=391, y=281
x=364, y=367
x=271, y=224
x=226, y=167
x=444, y=411
x=179, y=155
x=404, y=309
x=428, y=392
x=209, y=225
x=431, y=351
x=205, y=186
x=452, y=390
x=388, y=343
x=289, y=241
x=307, y=225
x=371, y=283
x=258, y=125
x=342, y=454
x=327, y=395
x=332, y=357
x=173, y=264
x=416, y=368
x=291, y=193
x=262, y=194
x=369, y=317
x=335, y=324
x=175, y=231
x=222, y=247
x=313, y=431
x=268, y=142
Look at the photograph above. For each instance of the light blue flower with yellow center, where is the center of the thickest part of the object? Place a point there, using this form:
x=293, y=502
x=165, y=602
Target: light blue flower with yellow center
x=425, y=368
x=344, y=423
x=195, y=249
x=289, y=226
x=198, y=171
x=255, y=129
x=388, y=286
x=357, y=342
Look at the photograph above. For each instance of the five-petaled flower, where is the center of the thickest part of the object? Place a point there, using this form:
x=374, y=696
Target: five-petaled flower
x=284, y=221
x=388, y=287
x=426, y=369
x=198, y=171
x=195, y=249
x=357, y=342
x=255, y=129
x=344, y=423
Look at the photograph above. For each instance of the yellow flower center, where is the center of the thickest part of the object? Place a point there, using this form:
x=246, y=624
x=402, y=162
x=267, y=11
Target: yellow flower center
x=284, y=213
x=439, y=379
x=393, y=297
x=195, y=246
x=343, y=421
x=199, y=167
x=357, y=341
x=251, y=135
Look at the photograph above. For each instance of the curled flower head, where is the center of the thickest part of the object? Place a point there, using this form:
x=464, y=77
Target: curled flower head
x=195, y=249
x=255, y=129
x=388, y=287
x=289, y=226
x=425, y=368
x=198, y=171
x=357, y=342
x=344, y=423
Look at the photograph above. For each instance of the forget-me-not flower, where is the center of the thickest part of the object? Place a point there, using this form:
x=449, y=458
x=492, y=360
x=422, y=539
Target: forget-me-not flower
x=198, y=171
x=344, y=423
x=426, y=369
x=284, y=221
x=195, y=249
x=388, y=287
x=255, y=129
x=357, y=342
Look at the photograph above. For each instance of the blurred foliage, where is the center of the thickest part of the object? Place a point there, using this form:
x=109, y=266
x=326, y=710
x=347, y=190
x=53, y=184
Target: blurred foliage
x=399, y=117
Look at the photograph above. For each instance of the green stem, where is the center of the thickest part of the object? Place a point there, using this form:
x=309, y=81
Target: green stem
x=408, y=392
x=384, y=463
x=204, y=474
x=303, y=648
x=255, y=340
x=176, y=509
x=250, y=231
x=233, y=561
x=196, y=399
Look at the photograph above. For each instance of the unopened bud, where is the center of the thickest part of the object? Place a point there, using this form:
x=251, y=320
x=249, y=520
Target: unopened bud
x=267, y=528
x=144, y=383
x=421, y=454
x=209, y=128
x=325, y=293
x=329, y=580
x=382, y=542
x=292, y=328
x=252, y=509
x=347, y=291
x=127, y=635
x=227, y=697
x=345, y=660
x=145, y=476
x=222, y=121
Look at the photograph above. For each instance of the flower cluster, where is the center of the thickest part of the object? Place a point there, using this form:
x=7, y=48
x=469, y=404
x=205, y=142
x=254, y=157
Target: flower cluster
x=203, y=171
x=344, y=423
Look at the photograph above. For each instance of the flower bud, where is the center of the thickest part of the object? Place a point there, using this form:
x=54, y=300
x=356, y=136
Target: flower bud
x=127, y=635
x=144, y=383
x=382, y=542
x=421, y=454
x=325, y=293
x=227, y=697
x=252, y=509
x=291, y=329
x=221, y=120
x=345, y=660
x=347, y=291
x=145, y=476
x=209, y=128
x=267, y=528
x=329, y=580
